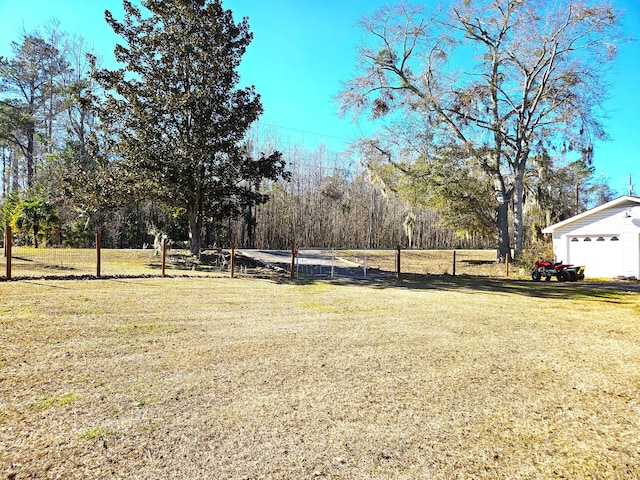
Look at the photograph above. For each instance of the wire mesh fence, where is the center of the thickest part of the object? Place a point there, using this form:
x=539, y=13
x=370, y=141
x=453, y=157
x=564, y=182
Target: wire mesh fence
x=77, y=262
x=387, y=262
x=335, y=263
x=29, y=262
x=322, y=262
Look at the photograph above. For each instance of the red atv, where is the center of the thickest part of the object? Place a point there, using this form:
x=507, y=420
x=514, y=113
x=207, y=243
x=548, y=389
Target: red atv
x=564, y=272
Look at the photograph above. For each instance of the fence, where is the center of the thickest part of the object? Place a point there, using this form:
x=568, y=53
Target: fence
x=396, y=262
x=29, y=262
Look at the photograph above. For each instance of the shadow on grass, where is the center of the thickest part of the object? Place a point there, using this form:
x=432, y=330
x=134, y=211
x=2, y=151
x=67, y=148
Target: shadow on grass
x=616, y=292
x=612, y=291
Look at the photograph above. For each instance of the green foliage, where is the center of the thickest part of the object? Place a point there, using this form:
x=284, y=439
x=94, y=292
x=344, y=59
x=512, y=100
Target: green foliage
x=446, y=181
x=535, y=251
x=558, y=190
x=9, y=204
x=13, y=119
x=30, y=81
x=77, y=235
x=175, y=114
x=35, y=217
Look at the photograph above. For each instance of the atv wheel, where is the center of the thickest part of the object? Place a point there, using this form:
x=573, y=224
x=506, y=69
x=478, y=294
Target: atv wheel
x=536, y=275
x=563, y=276
x=573, y=276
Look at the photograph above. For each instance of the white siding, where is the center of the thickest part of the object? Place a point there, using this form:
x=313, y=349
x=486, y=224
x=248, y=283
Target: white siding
x=559, y=247
x=631, y=256
x=607, y=257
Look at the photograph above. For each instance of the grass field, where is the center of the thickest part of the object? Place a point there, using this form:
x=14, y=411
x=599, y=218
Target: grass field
x=428, y=377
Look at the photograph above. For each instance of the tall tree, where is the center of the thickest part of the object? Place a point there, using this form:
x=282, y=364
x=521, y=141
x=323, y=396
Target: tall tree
x=175, y=112
x=558, y=189
x=14, y=122
x=488, y=83
x=30, y=80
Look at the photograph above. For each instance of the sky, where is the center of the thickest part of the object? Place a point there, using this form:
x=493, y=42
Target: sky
x=302, y=51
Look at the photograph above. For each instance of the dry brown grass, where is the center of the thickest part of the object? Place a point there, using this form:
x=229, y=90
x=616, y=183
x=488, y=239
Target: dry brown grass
x=219, y=378
x=438, y=262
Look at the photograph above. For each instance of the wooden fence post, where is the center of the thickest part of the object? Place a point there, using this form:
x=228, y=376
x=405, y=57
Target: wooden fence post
x=365, y=262
x=507, y=263
x=164, y=255
x=8, y=243
x=454, y=263
x=233, y=260
x=398, y=263
x=98, y=255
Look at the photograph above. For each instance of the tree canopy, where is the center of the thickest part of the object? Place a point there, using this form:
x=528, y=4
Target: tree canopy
x=487, y=109
x=175, y=113
x=471, y=94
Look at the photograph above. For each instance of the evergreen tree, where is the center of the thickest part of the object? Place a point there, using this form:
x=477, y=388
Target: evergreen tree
x=29, y=86
x=175, y=113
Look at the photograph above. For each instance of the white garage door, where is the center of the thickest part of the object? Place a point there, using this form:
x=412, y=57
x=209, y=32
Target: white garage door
x=601, y=255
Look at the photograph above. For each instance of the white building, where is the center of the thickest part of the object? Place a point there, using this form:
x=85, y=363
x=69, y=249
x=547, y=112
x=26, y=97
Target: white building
x=605, y=239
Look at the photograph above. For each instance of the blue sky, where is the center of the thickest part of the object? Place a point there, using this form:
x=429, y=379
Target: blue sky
x=303, y=49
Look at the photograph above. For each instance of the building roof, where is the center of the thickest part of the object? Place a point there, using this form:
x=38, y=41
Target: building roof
x=613, y=203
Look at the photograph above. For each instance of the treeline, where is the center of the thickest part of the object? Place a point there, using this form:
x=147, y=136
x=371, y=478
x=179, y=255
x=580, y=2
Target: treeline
x=332, y=202
x=46, y=130
x=52, y=194
x=61, y=183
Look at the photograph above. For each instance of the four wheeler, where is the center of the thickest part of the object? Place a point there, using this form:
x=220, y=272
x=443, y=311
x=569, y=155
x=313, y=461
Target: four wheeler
x=562, y=271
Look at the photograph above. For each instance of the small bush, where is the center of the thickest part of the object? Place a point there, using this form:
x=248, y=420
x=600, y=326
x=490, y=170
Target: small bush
x=78, y=236
x=533, y=252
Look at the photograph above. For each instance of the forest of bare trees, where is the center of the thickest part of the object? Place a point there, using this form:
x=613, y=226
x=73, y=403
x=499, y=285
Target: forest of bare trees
x=330, y=201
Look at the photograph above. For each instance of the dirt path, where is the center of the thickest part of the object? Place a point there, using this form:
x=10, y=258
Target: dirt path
x=316, y=263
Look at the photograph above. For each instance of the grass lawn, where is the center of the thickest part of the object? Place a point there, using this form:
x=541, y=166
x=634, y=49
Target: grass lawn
x=432, y=377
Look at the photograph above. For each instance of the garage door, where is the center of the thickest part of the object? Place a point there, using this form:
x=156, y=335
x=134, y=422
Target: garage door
x=601, y=255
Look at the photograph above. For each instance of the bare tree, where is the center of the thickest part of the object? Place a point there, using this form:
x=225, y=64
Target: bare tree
x=484, y=85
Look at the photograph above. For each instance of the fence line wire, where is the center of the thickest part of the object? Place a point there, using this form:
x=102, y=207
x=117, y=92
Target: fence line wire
x=310, y=262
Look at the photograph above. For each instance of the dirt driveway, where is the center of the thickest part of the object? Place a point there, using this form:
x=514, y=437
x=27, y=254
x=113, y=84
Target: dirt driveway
x=316, y=263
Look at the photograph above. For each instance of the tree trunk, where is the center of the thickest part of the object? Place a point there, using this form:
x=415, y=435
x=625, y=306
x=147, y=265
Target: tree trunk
x=30, y=155
x=502, y=219
x=5, y=172
x=502, y=222
x=195, y=231
x=15, y=171
x=518, y=207
x=251, y=227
